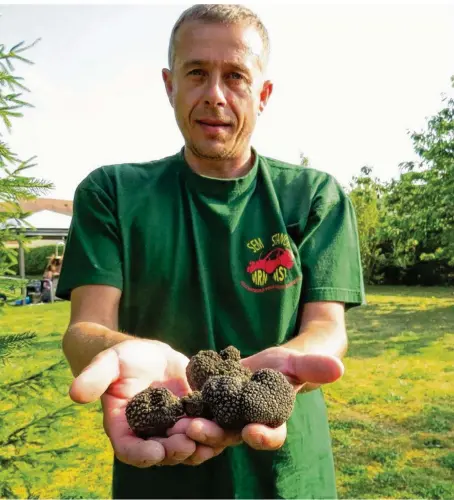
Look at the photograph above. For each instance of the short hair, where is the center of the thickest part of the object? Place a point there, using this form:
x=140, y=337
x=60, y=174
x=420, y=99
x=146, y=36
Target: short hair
x=222, y=14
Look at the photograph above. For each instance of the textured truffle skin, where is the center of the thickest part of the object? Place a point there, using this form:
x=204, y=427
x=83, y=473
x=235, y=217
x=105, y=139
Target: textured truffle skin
x=194, y=406
x=268, y=398
x=152, y=411
x=224, y=391
x=231, y=352
x=223, y=394
x=207, y=364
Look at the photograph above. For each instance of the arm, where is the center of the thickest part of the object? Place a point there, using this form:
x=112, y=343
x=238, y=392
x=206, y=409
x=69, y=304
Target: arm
x=114, y=366
x=93, y=325
x=313, y=356
x=322, y=331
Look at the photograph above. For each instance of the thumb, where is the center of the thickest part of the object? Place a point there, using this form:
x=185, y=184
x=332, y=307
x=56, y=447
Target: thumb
x=96, y=378
x=315, y=368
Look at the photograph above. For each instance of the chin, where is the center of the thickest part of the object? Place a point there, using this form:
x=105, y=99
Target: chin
x=214, y=152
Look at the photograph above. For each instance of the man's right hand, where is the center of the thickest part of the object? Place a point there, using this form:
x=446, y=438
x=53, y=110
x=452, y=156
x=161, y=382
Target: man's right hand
x=119, y=373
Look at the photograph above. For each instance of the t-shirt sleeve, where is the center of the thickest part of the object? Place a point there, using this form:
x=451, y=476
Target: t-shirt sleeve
x=329, y=252
x=93, y=248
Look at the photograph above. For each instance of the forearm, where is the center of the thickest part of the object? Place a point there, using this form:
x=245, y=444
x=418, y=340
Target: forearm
x=321, y=337
x=84, y=340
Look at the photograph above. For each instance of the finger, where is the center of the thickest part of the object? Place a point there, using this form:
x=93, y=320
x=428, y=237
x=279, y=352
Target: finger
x=139, y=452
x=128, y=448
x=180, y=427
x=210, y=434
x=177, y=448
x=316, y=368
x=95, y=378
x=261, y=437
x=202, y=454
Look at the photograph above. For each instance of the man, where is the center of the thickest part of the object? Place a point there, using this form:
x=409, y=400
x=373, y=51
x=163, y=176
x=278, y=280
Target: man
x=214, y=246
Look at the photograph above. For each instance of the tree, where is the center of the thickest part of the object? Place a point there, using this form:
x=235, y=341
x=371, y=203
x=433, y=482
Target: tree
x=14, y=184
x=304, y=160
x=420, y=204
x=365, y=193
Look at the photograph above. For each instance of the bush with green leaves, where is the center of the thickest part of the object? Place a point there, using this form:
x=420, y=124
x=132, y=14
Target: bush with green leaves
x=36, y=259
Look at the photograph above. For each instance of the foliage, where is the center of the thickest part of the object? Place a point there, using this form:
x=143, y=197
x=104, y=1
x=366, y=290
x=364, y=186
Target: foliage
x=15, y=341
x=421, y=203
x=36, y=259
x=365, y=193
x=14, y=184
x=406, y=226
x=304, y=160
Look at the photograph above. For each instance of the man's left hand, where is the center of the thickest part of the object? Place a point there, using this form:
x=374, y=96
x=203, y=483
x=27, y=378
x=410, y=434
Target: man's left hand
x=302, y=370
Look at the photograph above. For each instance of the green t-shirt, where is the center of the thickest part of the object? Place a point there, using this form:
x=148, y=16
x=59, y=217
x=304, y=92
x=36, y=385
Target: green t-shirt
x=205, y=263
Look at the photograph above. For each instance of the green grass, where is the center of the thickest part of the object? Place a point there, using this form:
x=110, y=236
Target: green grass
x=391, y=416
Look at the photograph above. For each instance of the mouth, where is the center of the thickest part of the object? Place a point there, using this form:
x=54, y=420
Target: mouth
x=213, y=124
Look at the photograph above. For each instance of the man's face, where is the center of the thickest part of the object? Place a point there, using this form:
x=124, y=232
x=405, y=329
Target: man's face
x=217, y=87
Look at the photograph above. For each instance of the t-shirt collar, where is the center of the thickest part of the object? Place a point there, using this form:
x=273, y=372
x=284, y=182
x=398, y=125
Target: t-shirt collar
x=212, y=186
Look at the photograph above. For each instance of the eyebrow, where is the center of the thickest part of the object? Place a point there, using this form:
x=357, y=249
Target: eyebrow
x=200, y=62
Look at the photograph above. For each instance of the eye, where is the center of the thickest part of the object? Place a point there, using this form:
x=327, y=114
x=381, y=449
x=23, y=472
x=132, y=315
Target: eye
x=236, y=76
x=196, y=72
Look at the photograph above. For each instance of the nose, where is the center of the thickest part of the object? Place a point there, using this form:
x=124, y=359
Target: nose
x=214, y=92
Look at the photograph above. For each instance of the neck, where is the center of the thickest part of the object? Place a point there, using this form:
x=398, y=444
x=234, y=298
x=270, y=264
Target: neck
x=222, y=169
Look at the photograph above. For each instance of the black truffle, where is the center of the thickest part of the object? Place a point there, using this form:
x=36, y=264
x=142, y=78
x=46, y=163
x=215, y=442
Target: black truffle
x=206, y=364
x=268, y=398
x=153, y=411
x=224, y=391
x=223, y=396
x=195, y=406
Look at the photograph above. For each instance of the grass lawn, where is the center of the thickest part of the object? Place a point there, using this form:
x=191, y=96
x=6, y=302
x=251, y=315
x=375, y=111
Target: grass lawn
x=392, y=415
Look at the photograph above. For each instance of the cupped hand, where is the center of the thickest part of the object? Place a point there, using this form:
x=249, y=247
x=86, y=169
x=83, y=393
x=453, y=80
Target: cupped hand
x=301, y=370
x=118, y=374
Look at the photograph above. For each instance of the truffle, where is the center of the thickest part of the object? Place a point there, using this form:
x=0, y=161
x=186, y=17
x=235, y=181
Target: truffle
x=206, y=364
x=224, y=391
x=195, y=406
x=152, y=411
x=268, y=398
x=223, y=395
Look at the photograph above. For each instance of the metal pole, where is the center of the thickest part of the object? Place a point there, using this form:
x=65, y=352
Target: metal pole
x=22, y=268
x=21, y=260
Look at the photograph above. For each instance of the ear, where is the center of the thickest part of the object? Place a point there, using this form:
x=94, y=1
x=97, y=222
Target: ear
x=167, y=77
x=265, y=94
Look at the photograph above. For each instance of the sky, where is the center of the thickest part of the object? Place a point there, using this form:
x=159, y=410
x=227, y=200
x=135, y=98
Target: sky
x=350, y=82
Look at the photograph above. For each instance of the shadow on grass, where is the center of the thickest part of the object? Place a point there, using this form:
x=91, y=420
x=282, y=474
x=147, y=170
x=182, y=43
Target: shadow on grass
x=406, y=483
x=377, y=328
x=434, y=418
x=411, y=291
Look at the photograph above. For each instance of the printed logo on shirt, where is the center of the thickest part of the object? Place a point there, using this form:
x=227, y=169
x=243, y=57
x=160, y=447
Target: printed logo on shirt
x=272, y=269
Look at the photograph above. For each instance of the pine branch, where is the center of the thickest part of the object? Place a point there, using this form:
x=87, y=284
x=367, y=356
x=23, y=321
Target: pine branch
x=20, y=187
x=34, y=378
x=30, y=457
x=14, y=341
x=6, y=154
x=19, y=434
